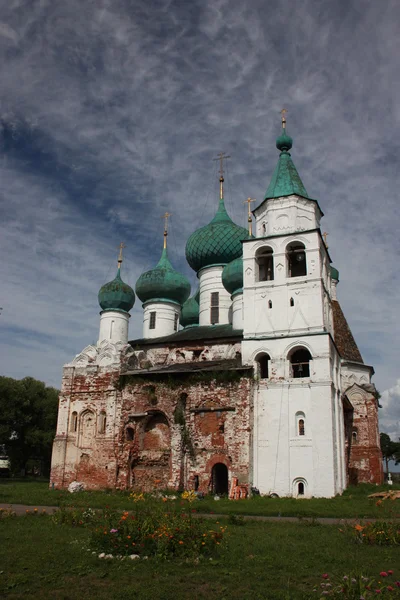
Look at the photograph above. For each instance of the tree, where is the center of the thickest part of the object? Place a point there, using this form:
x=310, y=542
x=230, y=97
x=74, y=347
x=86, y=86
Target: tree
x=389, y=449
x=28, y=418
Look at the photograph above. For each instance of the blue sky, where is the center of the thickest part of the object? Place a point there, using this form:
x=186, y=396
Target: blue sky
x=111, y=114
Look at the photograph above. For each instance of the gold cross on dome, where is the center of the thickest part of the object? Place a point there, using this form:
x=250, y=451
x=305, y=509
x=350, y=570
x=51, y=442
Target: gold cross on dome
x=121, y=247
x=283, y=113
x=166, y=217
x=221, y=157
x=249, y=219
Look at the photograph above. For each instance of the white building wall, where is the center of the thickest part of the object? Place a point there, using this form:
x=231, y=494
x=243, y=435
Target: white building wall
x=286, y=215
x=237, y=311
x=114, y=326
x=211, y=281
x=165, y=318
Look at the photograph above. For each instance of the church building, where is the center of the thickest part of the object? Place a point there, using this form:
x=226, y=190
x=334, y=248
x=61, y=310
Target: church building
x=255, y=381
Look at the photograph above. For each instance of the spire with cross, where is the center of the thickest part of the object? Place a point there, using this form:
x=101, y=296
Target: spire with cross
x=166, y=217
x=221, y=157
x=121, y=247
x=283, y=113
x=249, y=219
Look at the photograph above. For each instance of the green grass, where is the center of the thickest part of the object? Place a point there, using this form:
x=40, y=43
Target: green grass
x=354, y=503
x=280, y=561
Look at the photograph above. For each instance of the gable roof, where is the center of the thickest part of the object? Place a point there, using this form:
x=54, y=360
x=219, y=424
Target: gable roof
x=343, y=337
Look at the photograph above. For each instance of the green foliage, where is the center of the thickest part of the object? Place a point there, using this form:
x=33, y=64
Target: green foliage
x=378, y=533
x=28, y=418
x=356, y=586
x=390, y=450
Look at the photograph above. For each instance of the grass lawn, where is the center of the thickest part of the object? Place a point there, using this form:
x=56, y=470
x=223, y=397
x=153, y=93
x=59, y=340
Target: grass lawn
x=354, y=503
x=39, y=559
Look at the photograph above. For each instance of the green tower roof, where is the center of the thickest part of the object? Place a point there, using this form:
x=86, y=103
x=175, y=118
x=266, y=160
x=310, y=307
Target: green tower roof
x=163, y=283
x=190, y=312
x=218, y=243
x=232, y=276
x=285, y=179
x=116, y=295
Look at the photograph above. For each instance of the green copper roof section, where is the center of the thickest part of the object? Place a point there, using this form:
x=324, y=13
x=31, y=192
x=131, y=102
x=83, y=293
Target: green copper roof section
x=285, y=179
x=163, y=282
x=219, y=242
x=116, y=295
x=334, y=273
x=232, y=276
x=190, y=314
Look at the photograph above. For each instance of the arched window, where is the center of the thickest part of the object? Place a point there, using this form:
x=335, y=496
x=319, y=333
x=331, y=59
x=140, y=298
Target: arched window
x=354, y=436
x=263, y=365
x=296, y=260
x=265, y=264
x=300, y=488
x=300, y=363
x=301, y=427
x=74, y=422
x=102, y=422
x=269, y=303
x=291, y=302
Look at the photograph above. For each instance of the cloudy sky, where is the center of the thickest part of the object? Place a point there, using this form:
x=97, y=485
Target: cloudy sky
x=111, y=114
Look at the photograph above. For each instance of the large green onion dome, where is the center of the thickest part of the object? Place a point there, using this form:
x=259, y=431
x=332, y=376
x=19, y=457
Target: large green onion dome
x=232, y=276
x=334, y=273
x=163, y=283
x=116, y=295
x=190, y=313
x=218, y=243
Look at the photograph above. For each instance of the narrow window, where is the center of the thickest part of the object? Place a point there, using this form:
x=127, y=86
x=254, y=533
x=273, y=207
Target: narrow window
x=214, y=316
x=111, y=329
x=296, y=260
x=74, y=422
x=153, y=320
x=196, y=482
x=301, y=427
x=269, y=303
x=354, y=437
x=102, y=422
x=176, y=322
x=129, y=434
x=265, y=264
x=300, y=363
x=263, y=366
x=291, y=302
x=300, y=488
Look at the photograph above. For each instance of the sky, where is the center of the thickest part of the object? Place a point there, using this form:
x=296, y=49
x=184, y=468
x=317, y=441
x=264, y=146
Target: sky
x=111, y=114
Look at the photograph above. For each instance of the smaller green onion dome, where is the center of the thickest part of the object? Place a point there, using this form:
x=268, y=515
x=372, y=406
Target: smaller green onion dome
x=284, y=142
x=116, y=295
x=163, y=283
x=217, y=243
x=190, y=314
x=334, y=274
x=232, y=276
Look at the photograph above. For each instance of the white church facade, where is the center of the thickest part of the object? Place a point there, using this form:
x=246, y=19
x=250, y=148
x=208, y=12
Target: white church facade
x=254, y=380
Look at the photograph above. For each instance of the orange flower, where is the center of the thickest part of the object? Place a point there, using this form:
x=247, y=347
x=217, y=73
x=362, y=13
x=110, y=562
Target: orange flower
x=358, y=527
x=180, y=541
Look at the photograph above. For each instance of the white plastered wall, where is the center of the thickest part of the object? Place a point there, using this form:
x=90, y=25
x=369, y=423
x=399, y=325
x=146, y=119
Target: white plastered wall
x=211, y=281
x=114, y=326
x=165, y=318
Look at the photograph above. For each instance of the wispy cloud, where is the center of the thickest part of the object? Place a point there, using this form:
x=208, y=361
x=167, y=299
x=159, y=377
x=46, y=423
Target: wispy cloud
x=112, y=112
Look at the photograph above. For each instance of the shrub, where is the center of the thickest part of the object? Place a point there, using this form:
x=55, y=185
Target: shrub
x=380, y=533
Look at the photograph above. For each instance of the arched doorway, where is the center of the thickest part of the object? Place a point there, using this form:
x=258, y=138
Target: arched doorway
x=219, y=479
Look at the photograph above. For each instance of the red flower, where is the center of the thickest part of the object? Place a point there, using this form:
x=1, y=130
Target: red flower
x=390, y=572
x=325, y=576
x=383, y=574
x=390, y=588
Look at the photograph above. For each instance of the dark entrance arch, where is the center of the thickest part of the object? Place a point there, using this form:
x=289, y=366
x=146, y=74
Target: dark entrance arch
x=219, y=479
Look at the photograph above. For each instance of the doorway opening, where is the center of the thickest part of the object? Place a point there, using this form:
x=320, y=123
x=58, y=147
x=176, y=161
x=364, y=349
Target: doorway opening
x=219, y=479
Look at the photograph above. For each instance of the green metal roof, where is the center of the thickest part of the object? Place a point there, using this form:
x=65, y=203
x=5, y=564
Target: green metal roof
x=190, y=313
x=163, y=282
x=116, y=295
x=232, y=276
x=203, y=334
x=334, y=273
x=285, y=179
x=218, y=243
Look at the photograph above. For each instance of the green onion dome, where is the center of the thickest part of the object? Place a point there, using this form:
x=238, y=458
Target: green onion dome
x=218, y=243
x=284, y=142
x=163, y=283
x=190, y=313
x=232, y=276
x=116, y=295
x=334, y=273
